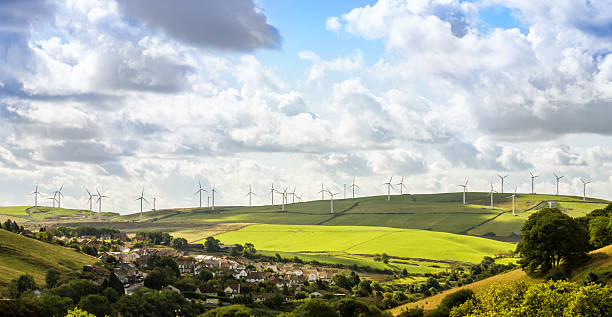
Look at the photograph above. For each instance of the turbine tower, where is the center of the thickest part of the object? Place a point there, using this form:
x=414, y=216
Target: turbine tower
x=35, y=193
x=464, y=189
x=141, y=198
x=532, y=178
x=90, y=200
x=558, y=179
x=401, y=186
x=331, y=201
x=100, y=196
x=502, y=181
x=322, y=192
x=272, y=191
x=299, y=197
x=584, y=183
x=250, y=194
x=59, y=197
x=54, y=199
x=389, y=186
x=353, y=186
x=293, y=195
x=491, y=193
x=154, y=202
x=213, y=197
x=513, y=199
x=284, y=197
x=199, y=191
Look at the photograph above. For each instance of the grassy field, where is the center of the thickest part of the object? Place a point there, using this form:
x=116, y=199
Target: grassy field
x=410, y=243
x=19, y=255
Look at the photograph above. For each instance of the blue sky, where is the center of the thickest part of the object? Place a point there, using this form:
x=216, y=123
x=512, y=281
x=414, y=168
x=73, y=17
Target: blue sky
x=122, y=95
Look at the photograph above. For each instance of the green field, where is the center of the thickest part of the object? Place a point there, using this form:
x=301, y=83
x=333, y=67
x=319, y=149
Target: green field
x=409, y=243
x=19, y=255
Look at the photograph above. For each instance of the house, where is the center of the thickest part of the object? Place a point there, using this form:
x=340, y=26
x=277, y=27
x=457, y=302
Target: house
x=239, y=274
x=261, y=297
x=172, y=288
x=122, y=236
x=315, y=294
x=105, y=237
x=311, y=275
x=127, y=273
x=255, y=277
x=207, y=290
x=186, y=265
x=232, y=289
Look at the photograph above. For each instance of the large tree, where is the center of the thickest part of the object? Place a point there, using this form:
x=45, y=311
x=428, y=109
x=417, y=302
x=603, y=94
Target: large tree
x=551, y=238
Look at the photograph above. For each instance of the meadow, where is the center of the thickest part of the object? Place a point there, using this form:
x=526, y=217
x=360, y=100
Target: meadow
x=19, y=255
x=407, y=243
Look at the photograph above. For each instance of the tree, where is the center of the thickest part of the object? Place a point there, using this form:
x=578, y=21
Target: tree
x=212, y=244
x=452, y=300
x=164, y=263
x=115, y=283
x=314, y=308
x=179, y=243
x=52, y=278
x=600, y=231
x=95, y=304
x=342, y=281
x=248, y=250
x=155, y=280
x=229, y=311
x=90, y=250
x=22, y=284
x=552, y=298
x=348, y=307
x=551, y=238
x=77, y=312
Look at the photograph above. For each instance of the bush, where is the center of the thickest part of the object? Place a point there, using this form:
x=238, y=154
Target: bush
x=95, y=304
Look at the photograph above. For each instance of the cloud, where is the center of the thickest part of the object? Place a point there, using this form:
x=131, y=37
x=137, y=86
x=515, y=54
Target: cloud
x=236, y=25
x=339, y=64
x=333, y=24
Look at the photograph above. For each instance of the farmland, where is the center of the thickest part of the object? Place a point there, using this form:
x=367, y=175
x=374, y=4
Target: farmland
x=409, y=243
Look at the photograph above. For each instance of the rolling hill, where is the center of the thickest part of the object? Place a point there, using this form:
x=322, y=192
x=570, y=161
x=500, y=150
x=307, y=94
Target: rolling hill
x=19, y=255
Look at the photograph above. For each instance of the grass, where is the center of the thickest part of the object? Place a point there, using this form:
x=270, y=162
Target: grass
x=410, y=243
x=20, y=255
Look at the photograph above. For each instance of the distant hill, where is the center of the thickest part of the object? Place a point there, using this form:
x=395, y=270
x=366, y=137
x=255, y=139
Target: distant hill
x=19, y=255
x=600, y=263
x=23, y=214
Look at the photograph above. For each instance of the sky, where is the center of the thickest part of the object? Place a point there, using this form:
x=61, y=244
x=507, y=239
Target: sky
x=133, y=94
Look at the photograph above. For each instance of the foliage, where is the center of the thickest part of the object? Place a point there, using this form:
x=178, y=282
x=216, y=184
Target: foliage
x=552, y=298
x=551, y=238
x=348, y=307
x=155, y=279
x=314, y=308
x=95, y=304
x=157, y=238
x=76, y=289
x=77, y=312
x=154, y=304
x=164, y=262
x=248, y=251
x=52, y=278
x=178, y=243
x=600, y=231
x=12, y=226
x=452, y=300
x=229, y=311
x=83, y=231
x=211, y=244
x=22, y=284
x=114, y=283
x=44, y=305
x=412, y=312
x=89, y=250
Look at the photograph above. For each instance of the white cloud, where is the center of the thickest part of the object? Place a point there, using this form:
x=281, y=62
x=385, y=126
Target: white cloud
x=333, y=24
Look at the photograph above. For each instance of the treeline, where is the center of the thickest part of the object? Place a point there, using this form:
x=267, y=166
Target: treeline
x=63, y=231
x=12, y=226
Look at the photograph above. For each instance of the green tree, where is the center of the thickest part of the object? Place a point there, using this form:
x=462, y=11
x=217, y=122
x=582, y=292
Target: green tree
x=342, y=281
x=76, y=289
x=179, y=243
x=96, y=304
x=22, y=284
x=551, y=238
x=90, y=250
x=52, y=277
x=212, y=244
x=115, y=283
x=314, y=308
x=552, y=298
x=348, y=307
x=77, y=312
x=600, y=231
x=155, y=280
x=452, y=300
x=229, y=311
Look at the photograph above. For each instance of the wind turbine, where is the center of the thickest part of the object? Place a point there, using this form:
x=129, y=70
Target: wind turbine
x=272, y=191
x=141, y=198
x=584, y=183
x=353, y=186
x=90, y=202
x=464, y=189
x=293, y=195
x=491, y=193
x=331, y=201
x=250, y=194
x=502, y=181
x=100, y=196
x=35, y=193
x=59, y=197
x=299, y=197
x=389, y=186
x=532, y=178
x=322, y=192
x=513, y=199
x=199, y=191
x=154, y=201
x=54, y=199
x=558, y=179
x=344, y=191
x=284, y=196
x=213, y=197
x=401, y=186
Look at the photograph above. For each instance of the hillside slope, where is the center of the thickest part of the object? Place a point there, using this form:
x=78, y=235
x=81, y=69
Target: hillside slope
x=19, y=255
x=600, y=263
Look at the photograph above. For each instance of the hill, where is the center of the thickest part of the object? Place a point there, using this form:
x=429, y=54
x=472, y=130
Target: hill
x=19, y=255
x=600, y=263
x=45, y=213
